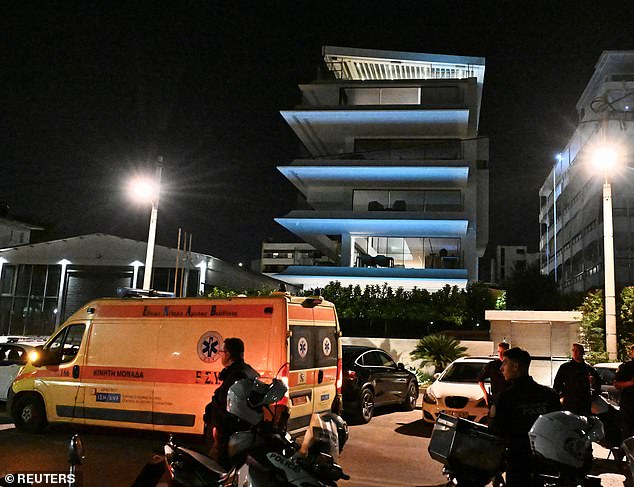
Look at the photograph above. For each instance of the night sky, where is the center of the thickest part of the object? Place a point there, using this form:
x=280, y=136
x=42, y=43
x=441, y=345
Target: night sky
x=92, y=94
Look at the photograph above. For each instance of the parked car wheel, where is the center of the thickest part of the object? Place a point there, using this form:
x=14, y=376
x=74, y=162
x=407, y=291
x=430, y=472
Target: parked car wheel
x=366, y=406
x=409, y=404
x=29, y=414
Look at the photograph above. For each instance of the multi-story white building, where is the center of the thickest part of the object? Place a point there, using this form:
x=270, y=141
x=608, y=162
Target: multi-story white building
x=395, y=173
x=572, y=229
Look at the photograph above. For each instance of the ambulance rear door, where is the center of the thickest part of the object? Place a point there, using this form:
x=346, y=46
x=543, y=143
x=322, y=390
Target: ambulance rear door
x=313, y=362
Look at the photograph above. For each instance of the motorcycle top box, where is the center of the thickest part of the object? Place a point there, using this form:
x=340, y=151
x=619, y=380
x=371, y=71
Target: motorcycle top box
x=460, y=443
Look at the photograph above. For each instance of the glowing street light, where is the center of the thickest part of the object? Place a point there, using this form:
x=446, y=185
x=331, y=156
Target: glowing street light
x=605, y=159
x=148, y=190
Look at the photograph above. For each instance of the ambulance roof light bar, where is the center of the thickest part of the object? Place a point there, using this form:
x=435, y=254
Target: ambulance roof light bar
x=129, y=292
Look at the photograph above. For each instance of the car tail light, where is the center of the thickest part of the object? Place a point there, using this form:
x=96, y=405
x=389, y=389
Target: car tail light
x=350, y=374
x=339, y=376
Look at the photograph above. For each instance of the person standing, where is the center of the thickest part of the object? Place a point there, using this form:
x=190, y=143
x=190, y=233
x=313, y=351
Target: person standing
x=513, y=414
x=576, y=382
x=219, y=424
x=624, y=380
x=492, y=372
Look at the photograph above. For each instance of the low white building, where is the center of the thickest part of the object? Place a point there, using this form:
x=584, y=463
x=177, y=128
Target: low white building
x=42, y=284
x=547, y=335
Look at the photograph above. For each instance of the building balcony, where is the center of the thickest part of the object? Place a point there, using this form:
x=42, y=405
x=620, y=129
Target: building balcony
x=360, y=174
x=383, y=223
x=327, y=132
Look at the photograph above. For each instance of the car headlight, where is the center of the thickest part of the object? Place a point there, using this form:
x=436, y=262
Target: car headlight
x=429, y=398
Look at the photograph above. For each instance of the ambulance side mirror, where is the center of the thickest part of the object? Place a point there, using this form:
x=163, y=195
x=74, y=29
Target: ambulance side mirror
x=42, y=356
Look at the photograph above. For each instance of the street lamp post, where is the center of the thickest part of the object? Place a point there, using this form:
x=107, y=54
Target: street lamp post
x=149, y=190
x=605, y=158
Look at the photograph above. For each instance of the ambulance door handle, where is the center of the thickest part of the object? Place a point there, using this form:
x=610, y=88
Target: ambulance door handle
x=75, y=371
x=320, y=377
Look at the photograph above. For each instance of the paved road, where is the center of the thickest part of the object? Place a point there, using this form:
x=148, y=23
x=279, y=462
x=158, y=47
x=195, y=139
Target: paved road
x=390, y=451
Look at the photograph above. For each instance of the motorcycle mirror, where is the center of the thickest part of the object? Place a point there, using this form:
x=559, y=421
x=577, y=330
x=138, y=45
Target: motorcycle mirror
x=275, y=392
x=76, y=451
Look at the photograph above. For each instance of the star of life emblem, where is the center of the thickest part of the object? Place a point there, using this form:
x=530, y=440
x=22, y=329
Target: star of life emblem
x=209, y=346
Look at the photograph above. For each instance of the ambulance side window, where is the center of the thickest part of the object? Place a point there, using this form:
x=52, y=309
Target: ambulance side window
x=65, y=345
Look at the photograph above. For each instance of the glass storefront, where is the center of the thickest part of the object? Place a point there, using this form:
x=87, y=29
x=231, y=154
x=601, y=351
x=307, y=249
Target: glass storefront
x=28, y=298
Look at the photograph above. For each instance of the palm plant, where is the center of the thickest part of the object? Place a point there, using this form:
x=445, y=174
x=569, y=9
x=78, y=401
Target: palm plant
x=438, y=349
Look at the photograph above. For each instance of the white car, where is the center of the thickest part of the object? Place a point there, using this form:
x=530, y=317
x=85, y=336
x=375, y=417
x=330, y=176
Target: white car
x=607, y=371
x=456, y=392
x=12, y=357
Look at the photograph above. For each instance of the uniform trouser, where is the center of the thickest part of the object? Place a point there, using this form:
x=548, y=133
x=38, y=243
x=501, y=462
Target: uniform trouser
x=627, y=423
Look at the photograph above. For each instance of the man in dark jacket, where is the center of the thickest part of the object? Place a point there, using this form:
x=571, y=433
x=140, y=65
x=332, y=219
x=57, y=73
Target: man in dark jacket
x=494, y=374
x=576, y=382
x=222, y=424
x=624, y=380
x=513, y=415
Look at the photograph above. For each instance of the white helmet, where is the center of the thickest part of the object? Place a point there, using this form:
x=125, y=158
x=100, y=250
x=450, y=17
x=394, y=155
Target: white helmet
x=564, y=437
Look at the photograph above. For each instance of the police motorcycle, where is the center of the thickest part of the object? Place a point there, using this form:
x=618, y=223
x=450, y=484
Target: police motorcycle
x=608, y=411
x=75, y=458
x=562, y=442
x=628, y=449
x=262, y=455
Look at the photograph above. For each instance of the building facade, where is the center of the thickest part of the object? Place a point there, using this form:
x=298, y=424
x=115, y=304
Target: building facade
x=571, y=198
x=395, y=174
x=277, y=257
x=42, y=284
x=13, y=232
x=510, y=258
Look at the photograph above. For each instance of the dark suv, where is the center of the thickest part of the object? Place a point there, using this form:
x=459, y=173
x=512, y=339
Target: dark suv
x=371, y=378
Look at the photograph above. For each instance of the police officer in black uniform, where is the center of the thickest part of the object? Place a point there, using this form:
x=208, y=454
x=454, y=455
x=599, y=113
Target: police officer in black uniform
x=624, y=380
x=220, y=425
x=513, y=415
x=576, y=382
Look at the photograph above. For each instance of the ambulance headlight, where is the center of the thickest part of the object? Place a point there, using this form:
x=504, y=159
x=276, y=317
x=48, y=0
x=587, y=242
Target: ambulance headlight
x=34, y=355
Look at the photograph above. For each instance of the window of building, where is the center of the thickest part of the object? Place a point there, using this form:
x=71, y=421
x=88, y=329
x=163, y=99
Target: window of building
x=7, y=279
x=429, y=149
x=407, y=252
x=407, y=200
x=442, y=95
x=380, y=96
x=29, y=302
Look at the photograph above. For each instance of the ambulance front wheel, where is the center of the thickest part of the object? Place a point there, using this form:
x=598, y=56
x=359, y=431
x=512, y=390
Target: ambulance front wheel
x=29, y=414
